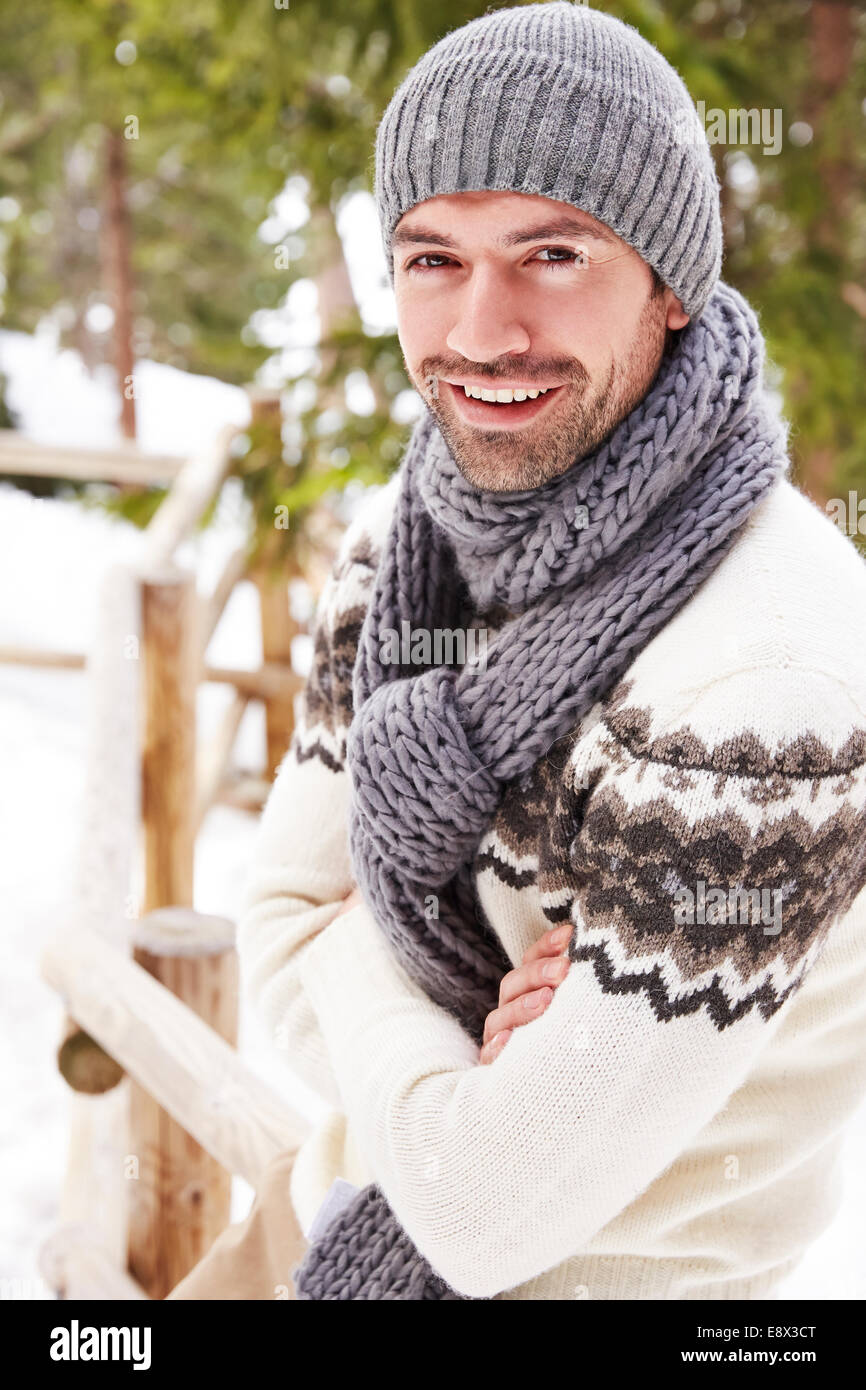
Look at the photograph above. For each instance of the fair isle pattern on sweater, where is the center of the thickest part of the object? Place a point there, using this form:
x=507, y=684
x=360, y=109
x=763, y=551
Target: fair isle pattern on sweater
x=755, y=731
x=633, y=853
x=617, y=855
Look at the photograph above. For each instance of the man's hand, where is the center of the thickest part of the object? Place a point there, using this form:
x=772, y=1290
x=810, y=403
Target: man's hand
x=526, y=992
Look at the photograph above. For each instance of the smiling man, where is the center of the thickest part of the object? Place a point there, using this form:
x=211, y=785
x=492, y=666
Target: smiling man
x=502, y=916
x=529, y=328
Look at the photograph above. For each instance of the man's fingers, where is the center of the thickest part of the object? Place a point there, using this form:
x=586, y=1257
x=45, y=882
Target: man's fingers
x=550, y=944
x=519, y=1011
x=526, y=991
x=491, y=1050
x=546, y=970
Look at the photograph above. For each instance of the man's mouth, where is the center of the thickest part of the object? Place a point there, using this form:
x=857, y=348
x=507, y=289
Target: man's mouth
x=499, y=407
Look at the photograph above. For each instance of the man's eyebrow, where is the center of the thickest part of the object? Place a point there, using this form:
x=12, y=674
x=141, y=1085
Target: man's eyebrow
x=559, y=227
x=563, y=227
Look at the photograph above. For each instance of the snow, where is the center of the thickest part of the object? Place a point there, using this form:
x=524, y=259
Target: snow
x=176, y=411
x=52, y=555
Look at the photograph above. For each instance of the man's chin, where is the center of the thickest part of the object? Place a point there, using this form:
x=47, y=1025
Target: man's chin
x=496, y=460
x=503, y=475
x=500, y=461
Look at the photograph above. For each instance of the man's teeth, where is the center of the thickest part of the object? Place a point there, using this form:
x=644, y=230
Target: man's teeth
x=505, y=397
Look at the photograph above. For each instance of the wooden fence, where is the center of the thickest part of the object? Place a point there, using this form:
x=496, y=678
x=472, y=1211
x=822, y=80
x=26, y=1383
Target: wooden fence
x=163, y=1111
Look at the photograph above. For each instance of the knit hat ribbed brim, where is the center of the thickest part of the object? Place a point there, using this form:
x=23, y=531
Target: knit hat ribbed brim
x=563, y=101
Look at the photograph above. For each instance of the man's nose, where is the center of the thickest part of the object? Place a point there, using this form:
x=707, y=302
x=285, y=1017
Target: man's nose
x=488, y=323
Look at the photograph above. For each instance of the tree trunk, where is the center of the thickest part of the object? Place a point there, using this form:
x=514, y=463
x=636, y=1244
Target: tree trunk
x=336, y=298
x=117, y=274
x=831, y=45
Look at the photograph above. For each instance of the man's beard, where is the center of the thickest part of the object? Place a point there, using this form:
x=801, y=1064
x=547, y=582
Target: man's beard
x=520, y=460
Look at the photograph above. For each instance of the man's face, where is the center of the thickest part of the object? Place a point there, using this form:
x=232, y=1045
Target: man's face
x=508, y=290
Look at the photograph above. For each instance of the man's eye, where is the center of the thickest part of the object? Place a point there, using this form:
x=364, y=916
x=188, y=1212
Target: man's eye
x=428, y=256
x=564, y=256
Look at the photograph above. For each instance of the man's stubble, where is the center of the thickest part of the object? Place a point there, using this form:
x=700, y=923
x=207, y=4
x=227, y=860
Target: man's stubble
x=521, y=460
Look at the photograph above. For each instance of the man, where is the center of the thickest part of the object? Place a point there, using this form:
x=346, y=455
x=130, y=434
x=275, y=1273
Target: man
x=516, y=250
x=570, y=937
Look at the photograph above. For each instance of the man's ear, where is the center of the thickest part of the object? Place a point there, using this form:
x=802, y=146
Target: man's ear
x=676, y=315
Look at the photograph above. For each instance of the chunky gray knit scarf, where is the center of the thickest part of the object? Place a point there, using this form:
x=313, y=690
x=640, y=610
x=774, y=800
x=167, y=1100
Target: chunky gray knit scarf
x=586, y=569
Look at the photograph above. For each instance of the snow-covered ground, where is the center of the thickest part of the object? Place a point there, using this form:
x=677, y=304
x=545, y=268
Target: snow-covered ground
x=51, y=557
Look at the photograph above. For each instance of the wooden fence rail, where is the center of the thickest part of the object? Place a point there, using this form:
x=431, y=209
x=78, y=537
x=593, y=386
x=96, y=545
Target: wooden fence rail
x=189, y=1070
x=194, y=1074
x=123, y=464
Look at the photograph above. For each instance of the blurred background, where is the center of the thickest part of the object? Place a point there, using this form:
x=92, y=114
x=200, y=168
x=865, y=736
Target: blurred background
x=200, y=378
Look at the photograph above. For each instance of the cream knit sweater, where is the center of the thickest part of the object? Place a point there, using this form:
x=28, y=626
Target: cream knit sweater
x=669, y=1127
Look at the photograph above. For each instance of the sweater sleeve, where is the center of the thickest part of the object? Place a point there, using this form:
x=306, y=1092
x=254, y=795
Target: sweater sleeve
x=500, y=1172
x=300, y=870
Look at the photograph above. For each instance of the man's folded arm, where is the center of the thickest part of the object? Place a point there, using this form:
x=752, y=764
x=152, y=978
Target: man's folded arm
x=297, y=879
x=500, y=1172
x=300, y=869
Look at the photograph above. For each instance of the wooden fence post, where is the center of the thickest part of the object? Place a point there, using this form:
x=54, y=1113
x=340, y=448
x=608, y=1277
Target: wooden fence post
x=278, y=629
x=180, y=1197
x=271, y=576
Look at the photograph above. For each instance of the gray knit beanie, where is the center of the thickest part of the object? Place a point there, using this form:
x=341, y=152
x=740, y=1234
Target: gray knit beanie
x=565, y=101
